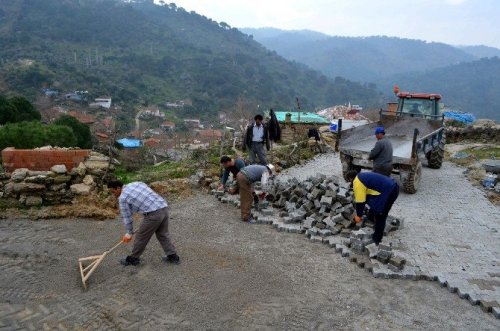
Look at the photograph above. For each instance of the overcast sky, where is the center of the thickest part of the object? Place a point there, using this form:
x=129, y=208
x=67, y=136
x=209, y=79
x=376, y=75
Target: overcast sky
x=456, y=22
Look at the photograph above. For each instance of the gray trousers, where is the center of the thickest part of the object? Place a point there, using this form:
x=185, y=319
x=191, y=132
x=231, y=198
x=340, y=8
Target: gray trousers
x=155, y=222
x=384, y=169
x=257, y=149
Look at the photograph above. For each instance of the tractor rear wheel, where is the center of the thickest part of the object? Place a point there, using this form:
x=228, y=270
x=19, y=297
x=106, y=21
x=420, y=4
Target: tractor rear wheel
x=435, y=159
x=412, y=181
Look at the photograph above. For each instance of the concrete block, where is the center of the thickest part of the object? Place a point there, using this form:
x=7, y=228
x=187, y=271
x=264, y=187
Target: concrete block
x=333, y=241
x=326, y=200
x=328, y=222
x=496, y=312
x=346, y=233
x=397, y=261
x=308, y=222
x=320, y=225
x=324, y=232
x=316, y=239
x=372, y=250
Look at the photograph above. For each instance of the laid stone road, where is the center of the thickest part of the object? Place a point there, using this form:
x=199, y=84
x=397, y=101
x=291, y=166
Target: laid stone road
x=451, y=232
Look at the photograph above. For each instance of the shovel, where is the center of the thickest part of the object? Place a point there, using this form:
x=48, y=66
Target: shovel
x=93, y=262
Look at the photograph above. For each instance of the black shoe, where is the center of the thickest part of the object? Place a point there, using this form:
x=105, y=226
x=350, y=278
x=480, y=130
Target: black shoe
x=173, y=258
x=127, y=260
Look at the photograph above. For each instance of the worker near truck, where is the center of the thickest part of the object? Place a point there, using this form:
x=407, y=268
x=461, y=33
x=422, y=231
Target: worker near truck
x=137, y=197
x=378, y=192
x=246, y=178
x=381, y=154
x=230, y=167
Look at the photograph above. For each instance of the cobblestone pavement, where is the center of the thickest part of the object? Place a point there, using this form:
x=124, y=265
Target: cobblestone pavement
x=450, y=234
x=233, y=276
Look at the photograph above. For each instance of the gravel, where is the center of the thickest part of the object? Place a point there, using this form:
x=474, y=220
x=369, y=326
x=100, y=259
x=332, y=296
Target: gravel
x=232, y=276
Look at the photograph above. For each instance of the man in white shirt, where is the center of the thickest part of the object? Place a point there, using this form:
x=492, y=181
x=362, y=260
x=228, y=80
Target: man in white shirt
x=256, y=136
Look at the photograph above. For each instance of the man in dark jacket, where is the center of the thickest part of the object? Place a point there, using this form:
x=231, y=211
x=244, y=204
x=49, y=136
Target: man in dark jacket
x=256, y=137
x=379, y=192
x=381, y=154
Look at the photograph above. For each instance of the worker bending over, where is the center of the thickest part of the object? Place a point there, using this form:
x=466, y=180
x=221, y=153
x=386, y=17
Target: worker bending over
x=378, y=192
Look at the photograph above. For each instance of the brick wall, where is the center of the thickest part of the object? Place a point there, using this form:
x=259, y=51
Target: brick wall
x=41, y=159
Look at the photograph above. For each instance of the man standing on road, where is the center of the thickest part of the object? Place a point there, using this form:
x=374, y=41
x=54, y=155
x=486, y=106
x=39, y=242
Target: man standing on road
x=379, y=192
x=230, y=166
x=137, y=197
x=245, y=178
x=381, y=154
x=256, y=136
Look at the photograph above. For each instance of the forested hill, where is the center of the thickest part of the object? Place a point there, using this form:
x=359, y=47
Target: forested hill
x=364, y=59
x=139, y=52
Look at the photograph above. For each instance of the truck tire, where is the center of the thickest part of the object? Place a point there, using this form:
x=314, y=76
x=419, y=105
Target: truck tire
x=348, y=166
x=435, y=159
x=412, y=181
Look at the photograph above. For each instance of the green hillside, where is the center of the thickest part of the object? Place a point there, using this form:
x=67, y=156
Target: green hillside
x=364, y=59
x=140, y=53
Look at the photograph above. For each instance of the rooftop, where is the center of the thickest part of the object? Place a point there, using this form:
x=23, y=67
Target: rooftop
x=305, y=117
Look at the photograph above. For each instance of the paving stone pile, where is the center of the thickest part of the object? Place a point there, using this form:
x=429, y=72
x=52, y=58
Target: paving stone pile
x=321, y=207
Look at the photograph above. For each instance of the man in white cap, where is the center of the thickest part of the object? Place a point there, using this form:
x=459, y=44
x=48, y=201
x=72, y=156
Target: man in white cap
x=381, y=154
x=245, y=178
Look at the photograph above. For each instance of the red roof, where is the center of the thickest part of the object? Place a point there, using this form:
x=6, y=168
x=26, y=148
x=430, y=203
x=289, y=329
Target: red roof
x=167, y=123
x=210, y=133
x=151, y=142
x=419, y=95
x=82, y=118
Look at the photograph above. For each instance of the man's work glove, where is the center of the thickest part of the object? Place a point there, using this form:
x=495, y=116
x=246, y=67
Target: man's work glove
x=127, y=237
x=220, y=187
x=262, y=196
x=357, y=218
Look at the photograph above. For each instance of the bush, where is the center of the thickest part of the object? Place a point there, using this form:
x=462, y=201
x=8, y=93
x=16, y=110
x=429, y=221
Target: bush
x=17, y=109
x=26, y=135
x=80, y=130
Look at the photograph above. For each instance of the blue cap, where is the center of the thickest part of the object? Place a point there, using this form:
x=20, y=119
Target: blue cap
x=379, y=130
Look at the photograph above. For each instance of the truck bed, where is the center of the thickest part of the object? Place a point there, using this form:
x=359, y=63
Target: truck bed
x=359, y=141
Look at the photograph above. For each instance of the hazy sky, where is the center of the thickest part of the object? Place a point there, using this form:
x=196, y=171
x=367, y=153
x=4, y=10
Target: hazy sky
x=456, y=22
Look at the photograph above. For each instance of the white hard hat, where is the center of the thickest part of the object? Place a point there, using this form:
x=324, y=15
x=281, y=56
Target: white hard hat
x=270, y=167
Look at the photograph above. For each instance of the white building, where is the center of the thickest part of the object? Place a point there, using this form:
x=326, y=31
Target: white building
x=104, y=102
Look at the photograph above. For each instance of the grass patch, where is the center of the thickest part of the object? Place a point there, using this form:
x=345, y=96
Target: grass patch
x=481, y=153
x=165, y=171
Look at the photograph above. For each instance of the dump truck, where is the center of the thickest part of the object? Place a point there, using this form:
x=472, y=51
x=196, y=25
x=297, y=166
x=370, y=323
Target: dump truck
x=415, y=127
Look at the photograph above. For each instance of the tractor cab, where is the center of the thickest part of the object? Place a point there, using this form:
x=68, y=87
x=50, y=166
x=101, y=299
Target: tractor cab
x=423, y=105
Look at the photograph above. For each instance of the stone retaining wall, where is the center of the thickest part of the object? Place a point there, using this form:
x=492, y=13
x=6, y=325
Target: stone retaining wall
x=483, y=134
x=58, y=185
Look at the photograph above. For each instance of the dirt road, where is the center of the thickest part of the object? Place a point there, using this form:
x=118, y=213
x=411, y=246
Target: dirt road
x=232, y=276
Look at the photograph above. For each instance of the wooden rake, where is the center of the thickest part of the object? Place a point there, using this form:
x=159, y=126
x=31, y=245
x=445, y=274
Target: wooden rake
x=93, y=262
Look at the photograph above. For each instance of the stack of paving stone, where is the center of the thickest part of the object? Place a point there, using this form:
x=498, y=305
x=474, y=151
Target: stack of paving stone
x=322, y=208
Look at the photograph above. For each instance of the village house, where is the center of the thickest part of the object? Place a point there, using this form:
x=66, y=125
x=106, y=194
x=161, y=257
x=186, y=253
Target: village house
x=295, y=125
x=101, y=102
x=167, y=126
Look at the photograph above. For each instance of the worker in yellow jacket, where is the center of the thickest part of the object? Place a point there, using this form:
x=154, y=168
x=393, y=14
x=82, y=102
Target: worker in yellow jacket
x=378, y=192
